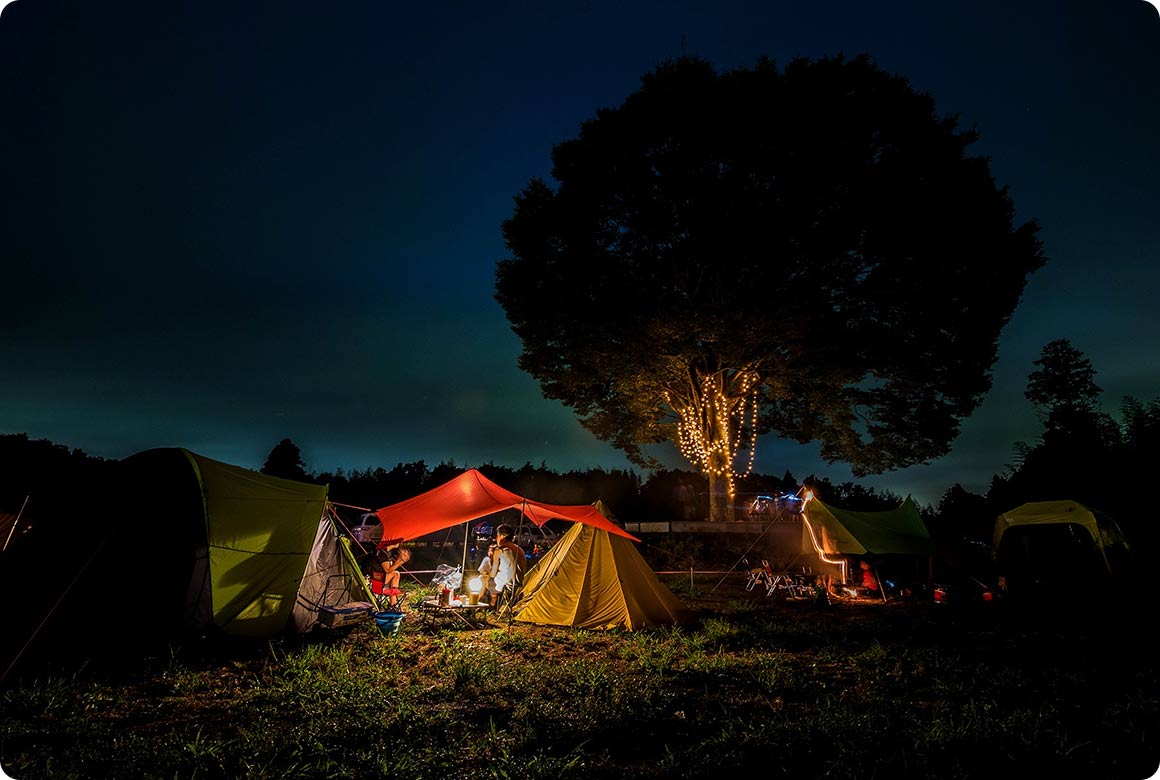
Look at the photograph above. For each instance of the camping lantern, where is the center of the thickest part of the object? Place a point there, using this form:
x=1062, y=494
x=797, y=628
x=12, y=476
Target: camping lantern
x=475, y=585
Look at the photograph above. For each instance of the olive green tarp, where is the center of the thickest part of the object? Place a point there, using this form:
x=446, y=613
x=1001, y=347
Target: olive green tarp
x=594, y=579
x=843, y=532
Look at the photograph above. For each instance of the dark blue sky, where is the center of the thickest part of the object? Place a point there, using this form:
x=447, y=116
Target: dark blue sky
x=224, y=224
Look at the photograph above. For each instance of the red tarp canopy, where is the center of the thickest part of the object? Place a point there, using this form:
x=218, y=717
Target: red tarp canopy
x=472, y=495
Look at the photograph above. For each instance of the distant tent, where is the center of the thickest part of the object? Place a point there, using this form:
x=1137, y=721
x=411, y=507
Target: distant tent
x=472, y=495
x=594, y=579
x=1057, y=533
x=187, y=545
x=844, y=532
x=1103, y=533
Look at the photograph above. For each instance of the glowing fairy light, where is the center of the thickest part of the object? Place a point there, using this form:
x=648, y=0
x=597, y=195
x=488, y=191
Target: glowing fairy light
x=713, y=423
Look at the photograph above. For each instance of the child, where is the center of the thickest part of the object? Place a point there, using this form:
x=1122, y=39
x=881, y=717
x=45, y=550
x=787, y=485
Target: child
x=385, y=573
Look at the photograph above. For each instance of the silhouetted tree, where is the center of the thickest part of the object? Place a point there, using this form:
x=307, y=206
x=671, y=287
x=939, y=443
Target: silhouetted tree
x=963, y=515
x=1141, y=427
x=1064, y=379
x=1065, y=394
x=851, y=495
x=810, y=252
x=672, y=494
x=1137, y=464
x=1001, y=495
x=1075, y=455
x=38, y=476
x=285, y=461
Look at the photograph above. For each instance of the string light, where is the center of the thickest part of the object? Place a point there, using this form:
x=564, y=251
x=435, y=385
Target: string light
x=714, y=421
x=841, y=562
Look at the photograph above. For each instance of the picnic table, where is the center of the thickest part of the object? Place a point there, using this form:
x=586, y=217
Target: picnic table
x=471, y=615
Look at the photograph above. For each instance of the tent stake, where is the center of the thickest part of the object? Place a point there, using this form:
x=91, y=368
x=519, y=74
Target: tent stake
x=881, y=584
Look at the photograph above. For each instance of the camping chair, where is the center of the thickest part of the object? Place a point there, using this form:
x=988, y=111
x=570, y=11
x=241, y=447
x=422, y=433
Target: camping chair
x=383, y=595
x=762, y=576
x=506, y=602
x=799, y=585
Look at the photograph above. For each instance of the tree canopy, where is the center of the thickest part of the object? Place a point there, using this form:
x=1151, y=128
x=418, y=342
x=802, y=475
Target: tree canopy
x=285, y=461
x=1063, y=384
x=809, y=251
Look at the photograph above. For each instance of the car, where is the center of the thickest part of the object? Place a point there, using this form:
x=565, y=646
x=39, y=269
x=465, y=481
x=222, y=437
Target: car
x=539, y=537
x=369, y=529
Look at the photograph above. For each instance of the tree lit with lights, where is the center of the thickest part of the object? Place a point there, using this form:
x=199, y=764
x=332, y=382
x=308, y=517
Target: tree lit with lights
x=807, y=251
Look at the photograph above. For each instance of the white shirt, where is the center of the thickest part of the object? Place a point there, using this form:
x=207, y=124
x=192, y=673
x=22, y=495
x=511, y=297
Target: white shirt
x=505, y=568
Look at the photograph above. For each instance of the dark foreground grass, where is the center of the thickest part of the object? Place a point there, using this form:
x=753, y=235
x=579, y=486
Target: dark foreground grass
x=757, y=687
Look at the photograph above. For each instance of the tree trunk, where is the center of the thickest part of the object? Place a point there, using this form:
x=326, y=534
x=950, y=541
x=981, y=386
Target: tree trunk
x=720, y=502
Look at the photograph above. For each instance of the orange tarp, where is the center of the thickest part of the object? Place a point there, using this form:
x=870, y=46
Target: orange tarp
x=472, y=495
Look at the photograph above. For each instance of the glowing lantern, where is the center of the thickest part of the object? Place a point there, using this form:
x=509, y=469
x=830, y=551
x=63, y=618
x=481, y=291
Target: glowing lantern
x=475, y=585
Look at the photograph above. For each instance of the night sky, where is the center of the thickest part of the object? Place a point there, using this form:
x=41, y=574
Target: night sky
x=224, y=224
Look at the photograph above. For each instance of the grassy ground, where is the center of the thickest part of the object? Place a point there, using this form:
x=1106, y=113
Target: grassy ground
x=758, y=686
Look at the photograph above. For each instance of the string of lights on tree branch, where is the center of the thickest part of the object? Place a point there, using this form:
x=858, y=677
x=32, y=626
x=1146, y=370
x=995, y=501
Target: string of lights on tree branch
x=714, y=423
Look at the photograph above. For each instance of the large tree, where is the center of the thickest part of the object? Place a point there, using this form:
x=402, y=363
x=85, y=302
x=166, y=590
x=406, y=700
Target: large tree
x=1075, y=456
x=285, y=461
x=809, y=251
x=1063, y=388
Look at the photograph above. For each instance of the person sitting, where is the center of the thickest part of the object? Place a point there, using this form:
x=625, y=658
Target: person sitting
x=869, y=585
x=385, y=574
x=503, y=566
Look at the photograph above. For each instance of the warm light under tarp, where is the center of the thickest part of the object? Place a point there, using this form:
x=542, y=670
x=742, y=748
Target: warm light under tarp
x=472, y=495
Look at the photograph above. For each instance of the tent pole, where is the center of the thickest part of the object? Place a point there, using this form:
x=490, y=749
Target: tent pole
x=16, y=522
x=466, y=533
x=734, y=566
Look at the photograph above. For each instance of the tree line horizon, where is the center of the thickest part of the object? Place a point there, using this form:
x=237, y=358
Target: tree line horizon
x=1082, y=454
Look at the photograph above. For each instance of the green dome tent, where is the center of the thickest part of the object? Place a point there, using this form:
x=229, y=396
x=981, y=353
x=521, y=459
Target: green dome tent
x=255, y=546
x=1050, y=544
x=178, y=545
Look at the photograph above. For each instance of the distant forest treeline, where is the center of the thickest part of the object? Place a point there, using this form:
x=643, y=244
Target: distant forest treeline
x=57, y=476
x=1082, y=454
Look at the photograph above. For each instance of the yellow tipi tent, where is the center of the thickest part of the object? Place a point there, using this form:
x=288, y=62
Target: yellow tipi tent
x=594, y=579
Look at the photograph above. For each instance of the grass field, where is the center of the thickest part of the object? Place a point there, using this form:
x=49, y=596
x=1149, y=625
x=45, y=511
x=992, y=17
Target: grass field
x=758, y=687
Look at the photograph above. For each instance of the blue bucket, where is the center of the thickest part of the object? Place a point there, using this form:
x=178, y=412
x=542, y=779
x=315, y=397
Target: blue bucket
x=389, y=623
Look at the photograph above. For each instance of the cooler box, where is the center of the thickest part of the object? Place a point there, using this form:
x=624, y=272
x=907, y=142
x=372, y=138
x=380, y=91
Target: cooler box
x=345, y=614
